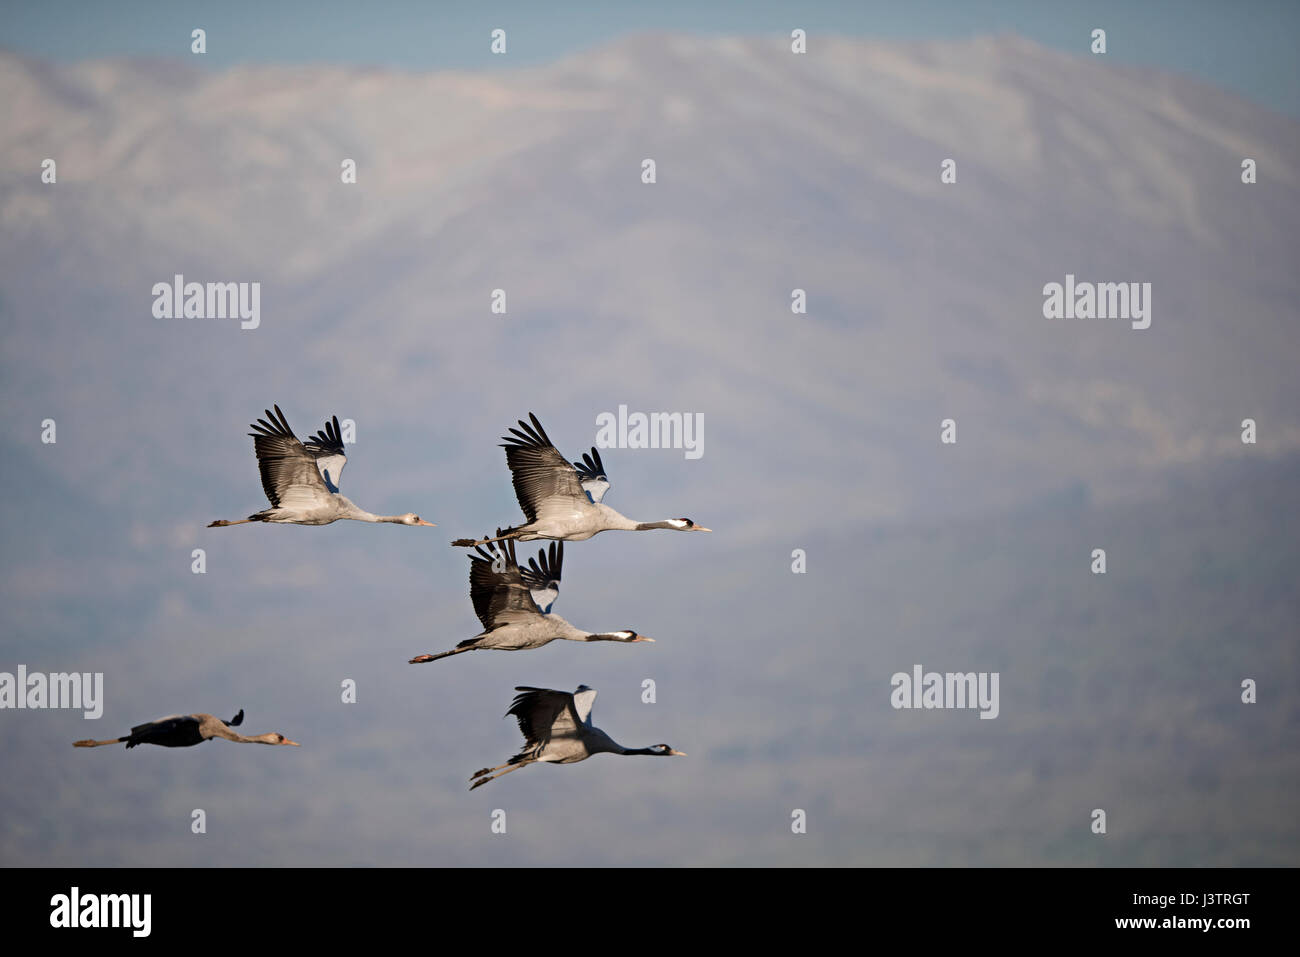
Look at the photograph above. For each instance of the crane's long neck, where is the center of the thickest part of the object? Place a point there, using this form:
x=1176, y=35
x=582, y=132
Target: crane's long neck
x=615, y=520
x=573, y=633
x=229, y=735
x=619, y=749
x=357, y=514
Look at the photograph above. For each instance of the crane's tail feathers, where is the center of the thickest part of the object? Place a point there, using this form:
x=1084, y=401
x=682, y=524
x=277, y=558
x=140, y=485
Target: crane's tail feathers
x=91, y=743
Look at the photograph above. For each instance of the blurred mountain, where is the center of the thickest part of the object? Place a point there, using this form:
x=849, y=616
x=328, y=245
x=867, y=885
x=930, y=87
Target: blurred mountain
x=775, y=171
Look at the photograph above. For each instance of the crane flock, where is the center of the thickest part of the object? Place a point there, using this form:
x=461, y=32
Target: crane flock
x=562, y=502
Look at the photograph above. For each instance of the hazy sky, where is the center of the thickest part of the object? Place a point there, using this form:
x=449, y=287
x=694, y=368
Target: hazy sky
x=822, y=433
x=1248, y=47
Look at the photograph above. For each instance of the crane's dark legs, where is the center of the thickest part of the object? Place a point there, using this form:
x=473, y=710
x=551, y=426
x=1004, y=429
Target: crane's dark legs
x=508, y=768
x=472, y=542
x=421, y=659
x=91, y=743
x=222, y=523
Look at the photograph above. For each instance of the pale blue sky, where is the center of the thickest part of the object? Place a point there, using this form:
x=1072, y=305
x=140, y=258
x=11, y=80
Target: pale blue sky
x=1245, y=47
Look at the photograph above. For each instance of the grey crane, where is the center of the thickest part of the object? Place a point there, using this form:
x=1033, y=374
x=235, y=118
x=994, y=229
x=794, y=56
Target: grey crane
x=301, y=479
x=514, y=603
x=562, y=501
x=557, y=729
x=185, y=730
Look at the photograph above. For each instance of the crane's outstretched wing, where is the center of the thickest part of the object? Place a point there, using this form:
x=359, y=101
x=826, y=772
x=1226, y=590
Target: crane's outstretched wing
x=543, y=714
x=542, y=576
x=591, y=473
x=544, y=481
x=163, y=728
x=326, y=446
x=289, y=473
x=497, y=588
x=237, y=720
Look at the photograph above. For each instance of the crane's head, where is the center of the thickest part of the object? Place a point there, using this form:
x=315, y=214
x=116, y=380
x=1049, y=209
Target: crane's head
x=629, y=636
x=275, y=737
x=664, y=751
x=410, y=518
x=686, y=525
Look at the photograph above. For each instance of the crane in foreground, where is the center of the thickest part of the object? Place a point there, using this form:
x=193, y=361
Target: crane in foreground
x=184, y=730
x=301, y=479
x=557, y=729
x=562, y=501
x=514, y=603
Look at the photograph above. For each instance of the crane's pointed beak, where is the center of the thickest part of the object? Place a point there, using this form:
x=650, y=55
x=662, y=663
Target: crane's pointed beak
x=294, y=743
x=642, y=638
x=701, y=528
x=429, y=524
x=680, y=754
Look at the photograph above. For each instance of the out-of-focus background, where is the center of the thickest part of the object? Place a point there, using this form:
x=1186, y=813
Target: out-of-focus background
x=775, y=171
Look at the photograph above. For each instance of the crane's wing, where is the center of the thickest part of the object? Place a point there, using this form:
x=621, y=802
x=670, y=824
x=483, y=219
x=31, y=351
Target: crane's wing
x=237, y=720
x=583, y=699
x=170, y=720
x=543, y=714
x=326, y=446
x=591, y=473
x=543, y=480
x=143, y=733
x=289, y=473
x=542, y=576
x=496, y=587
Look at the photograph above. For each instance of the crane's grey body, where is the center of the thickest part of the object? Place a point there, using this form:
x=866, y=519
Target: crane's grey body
x=557, y=729
x=301, y=479
x=561, y=500
x=509, y=601
x=186, y=730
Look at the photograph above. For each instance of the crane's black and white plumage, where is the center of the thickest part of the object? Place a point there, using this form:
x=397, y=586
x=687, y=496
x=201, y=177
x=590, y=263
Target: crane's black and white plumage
x=302, y=479
x=514, y=603
x=184, y=730
x=557, y=729
x=542, y=576
x=562, y=501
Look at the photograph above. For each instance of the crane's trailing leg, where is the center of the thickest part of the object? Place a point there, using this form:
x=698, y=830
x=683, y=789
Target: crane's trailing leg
x=473, y=542
x=421, y=659
x=92, y=743
x=222, y=523
x=508, y=768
